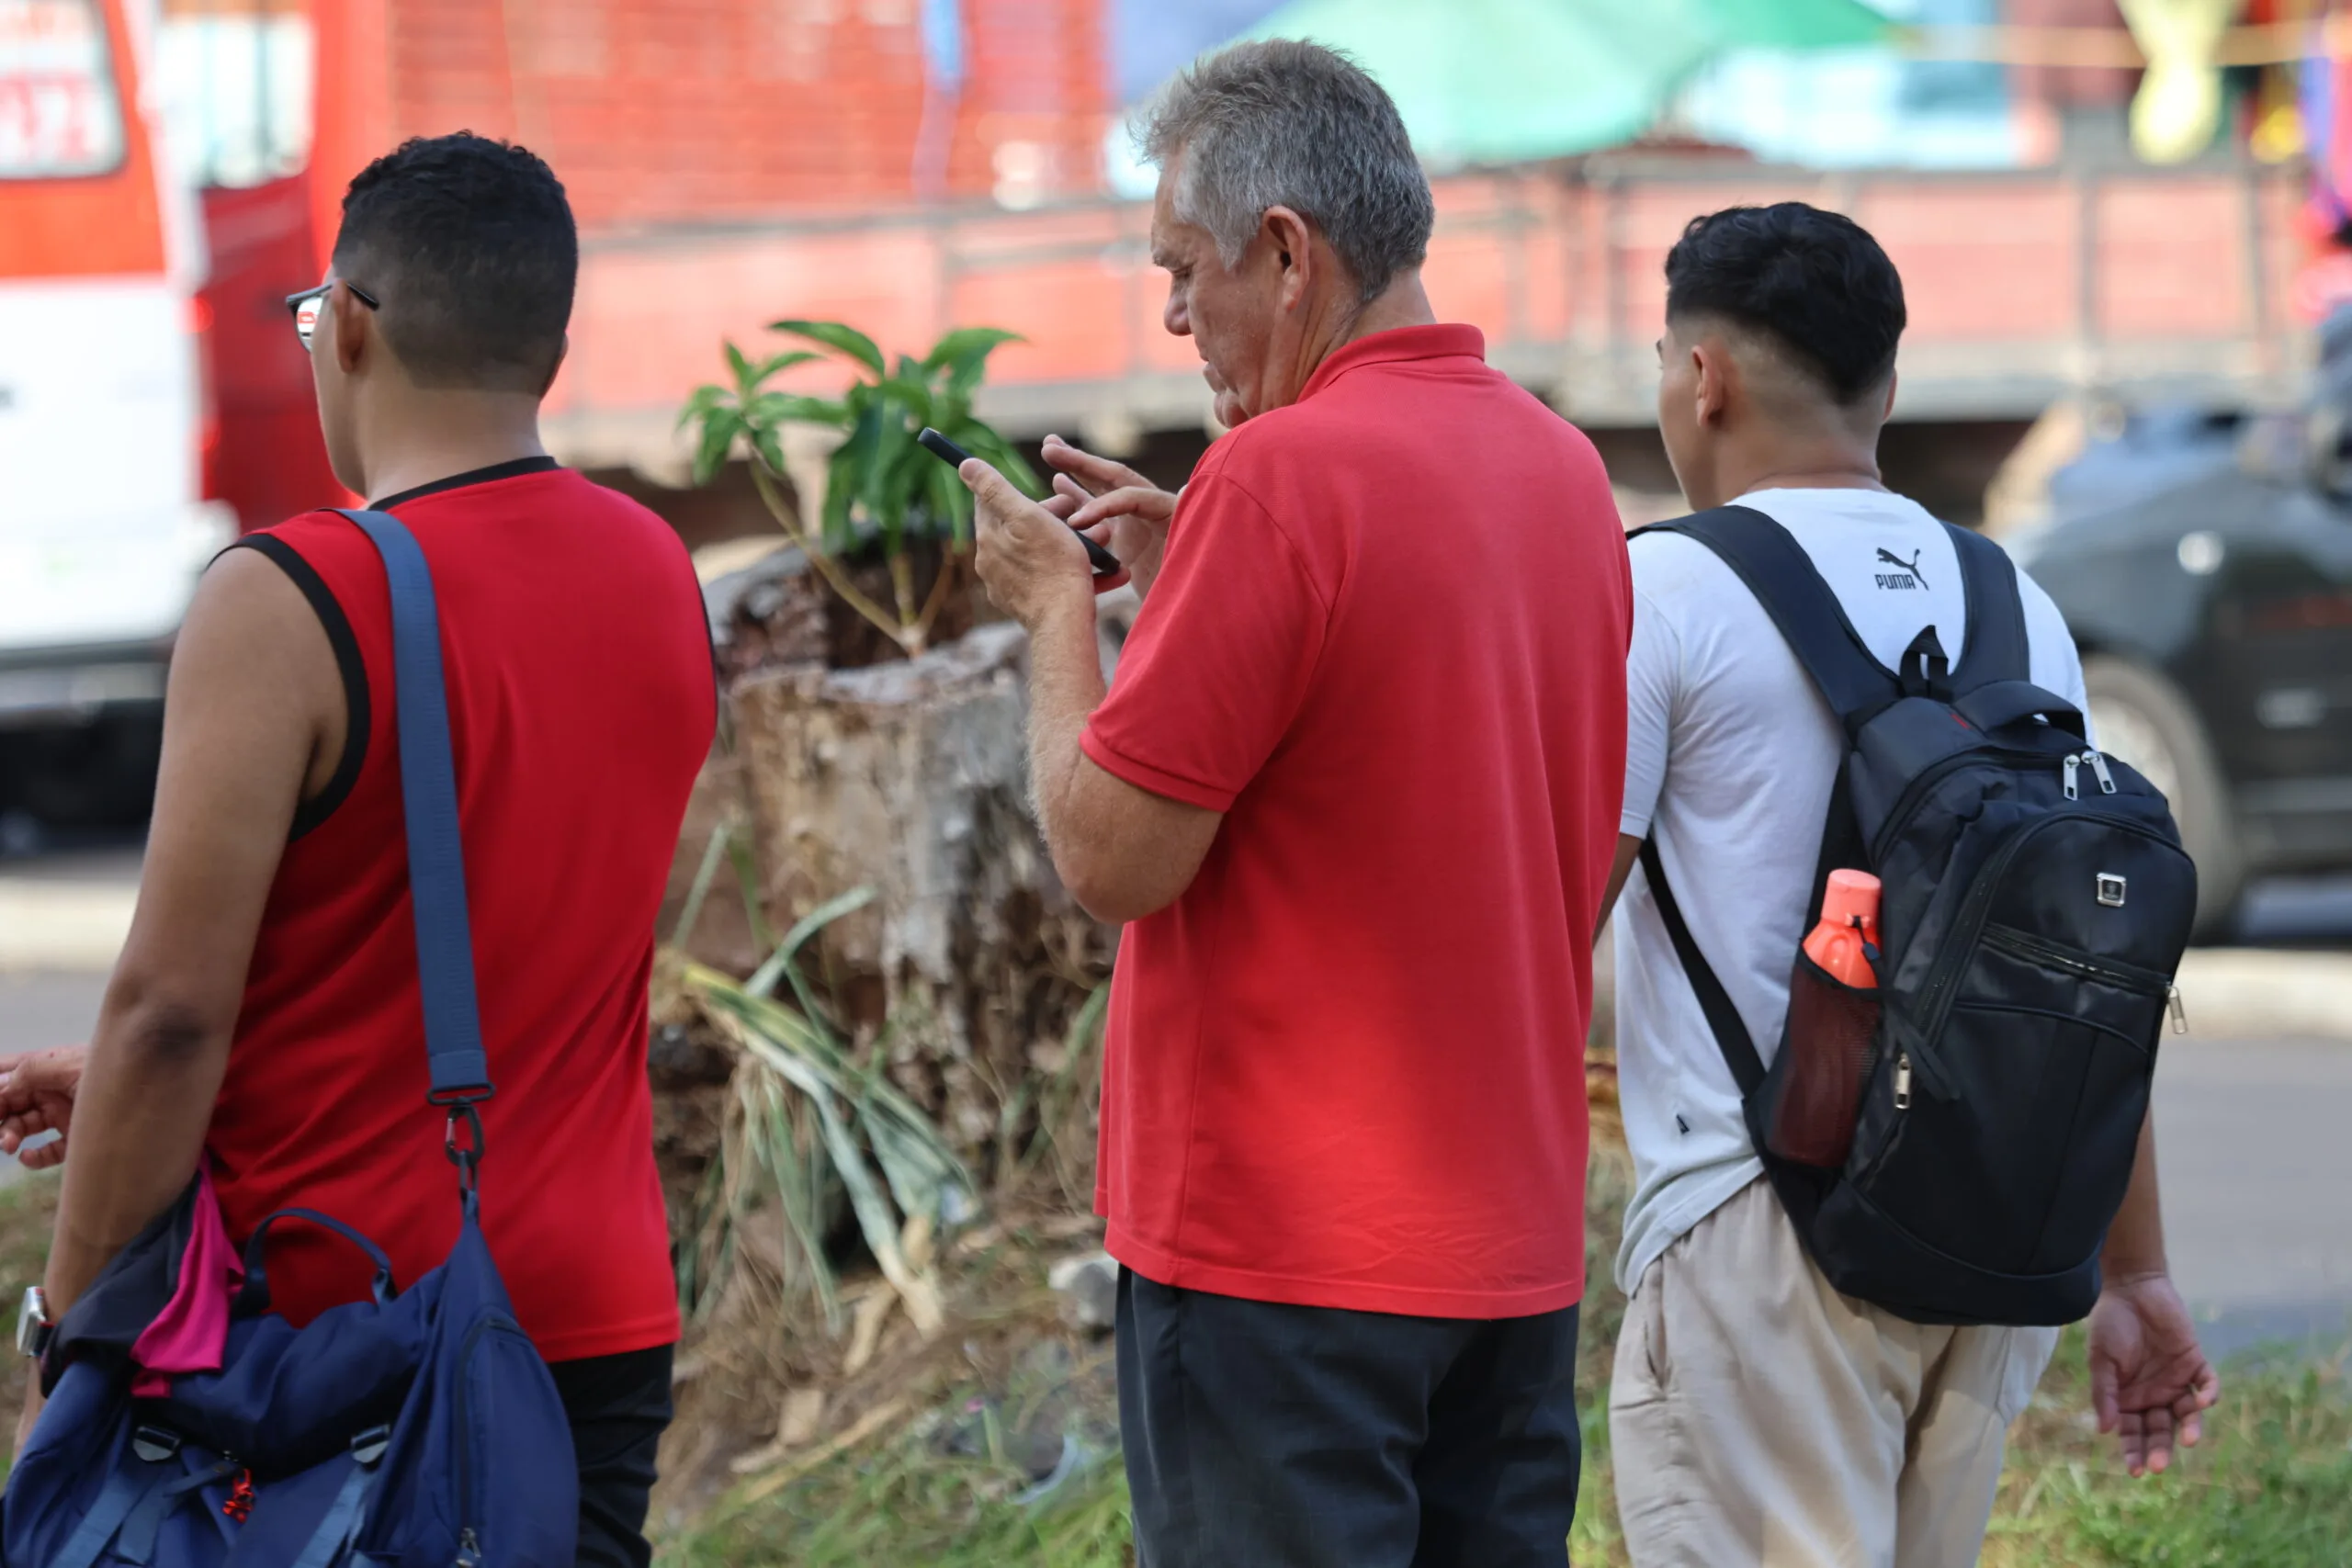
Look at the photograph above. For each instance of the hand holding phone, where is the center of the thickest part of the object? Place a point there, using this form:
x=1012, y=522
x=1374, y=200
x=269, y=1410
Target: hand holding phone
x=1105, y=564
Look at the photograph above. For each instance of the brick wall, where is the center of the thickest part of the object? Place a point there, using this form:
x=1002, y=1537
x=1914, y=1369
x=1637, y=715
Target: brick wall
x=668, y=112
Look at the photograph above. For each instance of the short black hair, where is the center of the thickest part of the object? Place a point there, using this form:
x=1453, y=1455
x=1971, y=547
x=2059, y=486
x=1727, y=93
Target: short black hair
x=470, y=245
x=1816, y=282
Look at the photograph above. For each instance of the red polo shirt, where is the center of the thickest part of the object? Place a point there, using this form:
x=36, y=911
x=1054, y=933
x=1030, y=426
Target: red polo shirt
x=1346, y=1067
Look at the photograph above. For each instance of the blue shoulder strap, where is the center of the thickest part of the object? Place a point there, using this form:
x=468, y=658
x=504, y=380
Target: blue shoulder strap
x=437, y=865
x=1997, y=647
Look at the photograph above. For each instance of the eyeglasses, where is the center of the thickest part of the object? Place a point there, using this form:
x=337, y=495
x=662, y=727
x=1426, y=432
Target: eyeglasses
x=311, y=303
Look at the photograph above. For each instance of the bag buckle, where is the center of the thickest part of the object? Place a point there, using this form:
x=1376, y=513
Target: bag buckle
x=155, y=1444
x=465, y=1153
x=370, y=1446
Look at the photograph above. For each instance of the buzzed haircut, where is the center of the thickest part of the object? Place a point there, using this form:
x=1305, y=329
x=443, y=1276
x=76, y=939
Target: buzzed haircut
x=471, y=246
x=1813, y=282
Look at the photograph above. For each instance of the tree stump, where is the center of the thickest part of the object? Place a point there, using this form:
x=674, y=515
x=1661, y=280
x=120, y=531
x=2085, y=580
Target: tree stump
x=911, y=778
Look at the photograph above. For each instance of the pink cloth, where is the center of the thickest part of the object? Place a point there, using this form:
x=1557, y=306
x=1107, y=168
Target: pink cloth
x=191, y=1332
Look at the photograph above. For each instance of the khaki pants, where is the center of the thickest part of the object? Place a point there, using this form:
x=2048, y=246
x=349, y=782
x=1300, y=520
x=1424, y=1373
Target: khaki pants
x=1759, y=1417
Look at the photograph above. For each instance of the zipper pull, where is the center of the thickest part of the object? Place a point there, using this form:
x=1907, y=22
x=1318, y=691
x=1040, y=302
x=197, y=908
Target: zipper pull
x=469, y=1549
x=1903, y=1081
x=2180, y=1013
x=2074, y=778
x=2098, y=766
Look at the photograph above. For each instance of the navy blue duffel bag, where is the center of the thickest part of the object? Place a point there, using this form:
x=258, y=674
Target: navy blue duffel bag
x=420, y=1428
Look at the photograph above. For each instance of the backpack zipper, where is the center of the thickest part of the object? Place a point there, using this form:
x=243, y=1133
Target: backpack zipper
x=469, y=1544
x=2099, y=767
x=1866, y=1177
x=2106, y=970
x=2073, y=776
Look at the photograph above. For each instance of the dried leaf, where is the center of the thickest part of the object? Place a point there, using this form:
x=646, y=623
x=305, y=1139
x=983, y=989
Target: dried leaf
x=866, y=1330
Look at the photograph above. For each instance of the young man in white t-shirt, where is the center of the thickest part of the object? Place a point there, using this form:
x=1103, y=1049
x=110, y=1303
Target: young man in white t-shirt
x=1757, y=1415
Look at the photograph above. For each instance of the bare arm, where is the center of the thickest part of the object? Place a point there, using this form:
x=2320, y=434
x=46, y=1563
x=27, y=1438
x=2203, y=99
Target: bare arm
x=1124, y=852
x=1629, y=850
x=2150, y=1380
x=2135, y=1243
x=253, y=714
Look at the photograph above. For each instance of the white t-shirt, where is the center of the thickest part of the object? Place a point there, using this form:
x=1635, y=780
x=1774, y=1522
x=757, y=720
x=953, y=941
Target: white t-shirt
x=1730, y=755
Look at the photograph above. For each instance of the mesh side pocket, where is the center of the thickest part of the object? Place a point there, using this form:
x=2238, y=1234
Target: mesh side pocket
x=1831, y=1037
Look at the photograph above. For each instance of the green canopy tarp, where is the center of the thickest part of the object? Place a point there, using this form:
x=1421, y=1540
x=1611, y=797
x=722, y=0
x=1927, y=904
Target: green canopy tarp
x=1503, y=81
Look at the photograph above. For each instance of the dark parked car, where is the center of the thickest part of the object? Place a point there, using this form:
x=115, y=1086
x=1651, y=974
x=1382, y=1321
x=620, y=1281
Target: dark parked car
x=2204, y=564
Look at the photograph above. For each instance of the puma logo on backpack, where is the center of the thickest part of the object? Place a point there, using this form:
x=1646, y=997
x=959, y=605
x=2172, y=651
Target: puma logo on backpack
x=2036, y=903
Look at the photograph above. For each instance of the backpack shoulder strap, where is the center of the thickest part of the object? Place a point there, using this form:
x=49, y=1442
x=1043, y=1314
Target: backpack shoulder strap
x=1730, y=1030
x=1996, y=648
x=1768, y=559
x=436, y=867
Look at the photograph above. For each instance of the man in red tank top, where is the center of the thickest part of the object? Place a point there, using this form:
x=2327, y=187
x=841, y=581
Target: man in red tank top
x=265, y=1015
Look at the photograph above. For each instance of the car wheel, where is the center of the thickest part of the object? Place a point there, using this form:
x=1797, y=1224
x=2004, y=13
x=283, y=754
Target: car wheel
x=2138, y=716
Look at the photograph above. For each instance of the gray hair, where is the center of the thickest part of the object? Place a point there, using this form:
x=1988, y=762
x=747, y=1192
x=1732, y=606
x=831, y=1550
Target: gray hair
x=1285, y=123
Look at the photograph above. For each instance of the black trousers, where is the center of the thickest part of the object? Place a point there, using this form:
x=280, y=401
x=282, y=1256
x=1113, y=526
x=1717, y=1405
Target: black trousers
x=1263, y=1436
x=619, y=1406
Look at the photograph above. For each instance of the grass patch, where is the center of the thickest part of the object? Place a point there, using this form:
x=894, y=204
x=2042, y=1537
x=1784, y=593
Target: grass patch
x=2269, y=1487
x=909, y=1504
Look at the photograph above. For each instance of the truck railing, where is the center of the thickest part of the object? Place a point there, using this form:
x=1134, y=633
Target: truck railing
x=2023, y=286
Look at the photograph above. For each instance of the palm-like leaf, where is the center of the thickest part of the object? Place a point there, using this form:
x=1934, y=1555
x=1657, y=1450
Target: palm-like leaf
x=862, y=1124
x=837, y=337
x=767, y=369
x=722, y=418
x=967, y=345
x=962, y=356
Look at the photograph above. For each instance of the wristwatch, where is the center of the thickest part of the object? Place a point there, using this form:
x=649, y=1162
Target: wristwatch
x=35, y=1328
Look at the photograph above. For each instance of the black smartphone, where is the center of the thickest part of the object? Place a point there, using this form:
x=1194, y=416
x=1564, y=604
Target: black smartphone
x=946, y=451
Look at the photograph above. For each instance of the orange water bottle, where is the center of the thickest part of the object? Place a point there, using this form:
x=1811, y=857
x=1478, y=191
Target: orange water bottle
x=1848, y=922
x=1833, y=1024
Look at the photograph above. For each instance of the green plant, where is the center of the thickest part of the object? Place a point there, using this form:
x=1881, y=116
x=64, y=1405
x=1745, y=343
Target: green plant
x=903, y=1502
x=805, y=1126
x=882, y=489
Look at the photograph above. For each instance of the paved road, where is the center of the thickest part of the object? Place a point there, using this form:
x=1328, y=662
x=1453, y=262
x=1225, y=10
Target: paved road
x=2255, y=1140
x=46, y=1008
x=39, y=1010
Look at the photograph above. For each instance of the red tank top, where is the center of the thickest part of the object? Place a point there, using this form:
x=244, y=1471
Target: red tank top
x=581, y=708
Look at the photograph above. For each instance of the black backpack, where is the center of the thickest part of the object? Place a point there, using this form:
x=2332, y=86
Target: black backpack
x=2036, y=902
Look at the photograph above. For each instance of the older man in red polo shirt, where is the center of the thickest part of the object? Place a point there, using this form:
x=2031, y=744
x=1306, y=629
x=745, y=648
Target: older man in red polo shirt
x=1355, y=792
